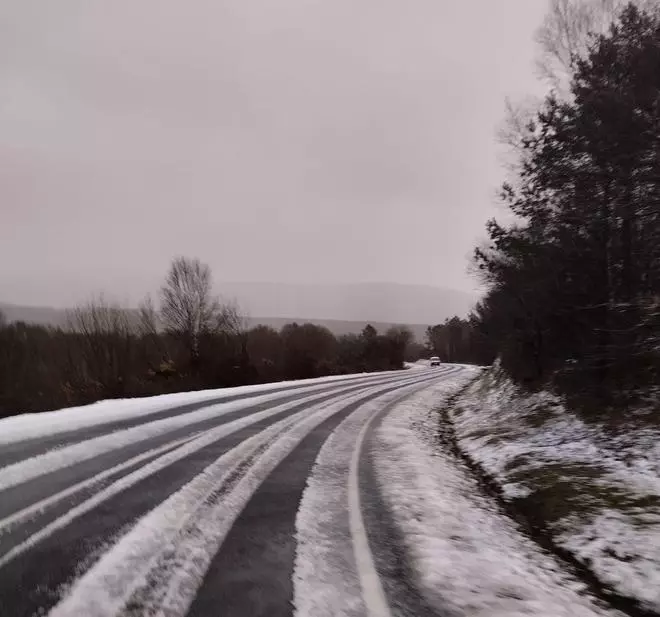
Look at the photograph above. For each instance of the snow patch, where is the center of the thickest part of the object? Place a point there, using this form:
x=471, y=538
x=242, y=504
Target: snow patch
x=469, y=558
x=610, y=515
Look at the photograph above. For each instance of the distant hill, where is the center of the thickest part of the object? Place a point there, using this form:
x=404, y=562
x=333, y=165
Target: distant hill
x=57, y=317
x=34, y=314
x=342, y=309
x=380, y=302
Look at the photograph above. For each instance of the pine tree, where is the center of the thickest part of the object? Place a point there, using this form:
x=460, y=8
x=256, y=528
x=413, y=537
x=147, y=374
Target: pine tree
x=575, y=281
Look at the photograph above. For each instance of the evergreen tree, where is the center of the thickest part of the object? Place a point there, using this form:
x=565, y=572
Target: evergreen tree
x=574, y=282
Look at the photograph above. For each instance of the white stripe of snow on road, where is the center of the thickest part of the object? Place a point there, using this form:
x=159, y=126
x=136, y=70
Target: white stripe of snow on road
x=206, y=538
x=372, y=589
x=35, y=425
x=40, y=506
x=326, y=579
x=201, y=528
x=54, y=460
x=207, y=438
x=470, y=559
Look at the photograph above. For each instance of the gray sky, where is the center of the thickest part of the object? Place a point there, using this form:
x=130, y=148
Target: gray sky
x=288, y=140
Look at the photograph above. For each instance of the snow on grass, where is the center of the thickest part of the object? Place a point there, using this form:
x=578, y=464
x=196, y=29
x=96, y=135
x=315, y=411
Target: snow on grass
x=470, y=559
x=624, y=550
x=30, y=426
x=598, y=494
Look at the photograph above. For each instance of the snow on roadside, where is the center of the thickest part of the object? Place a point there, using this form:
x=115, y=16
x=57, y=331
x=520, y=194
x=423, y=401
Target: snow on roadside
x=623, y=550
x=29, y=426
x=469, y=557
x=497, y=423
x=599, y=495
x=420, y=364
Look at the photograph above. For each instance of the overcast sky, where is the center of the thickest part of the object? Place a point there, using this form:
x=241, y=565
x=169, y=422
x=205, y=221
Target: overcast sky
x=287, y=140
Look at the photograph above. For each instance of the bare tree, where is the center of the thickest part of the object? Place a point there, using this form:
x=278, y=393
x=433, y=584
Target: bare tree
x=99, y=316
x=563, y=38
x=188, y=306
x=154, y=347
x=147, y=317
x=230, y=319
x=3, y=320
x=104, y=337
x=566, y=34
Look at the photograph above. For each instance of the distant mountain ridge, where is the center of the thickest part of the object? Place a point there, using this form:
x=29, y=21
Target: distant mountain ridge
x=380, y=302
x=342, y=309
x=43, y=315
x=57, y=318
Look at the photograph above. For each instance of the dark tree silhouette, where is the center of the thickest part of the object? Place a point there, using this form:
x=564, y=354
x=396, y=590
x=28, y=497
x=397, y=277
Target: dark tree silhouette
x=575, y=280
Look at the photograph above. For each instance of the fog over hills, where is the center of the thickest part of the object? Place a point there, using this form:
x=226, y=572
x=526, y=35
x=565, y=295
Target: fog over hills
x=383, y=302
x=341, y=308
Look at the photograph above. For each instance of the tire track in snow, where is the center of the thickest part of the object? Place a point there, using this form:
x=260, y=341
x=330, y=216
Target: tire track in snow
x=170, y=548
x=20, y=450
x=37, y=479
x=32, y=579
x=387, y=544
x=71, y=542
x=330, y=528
x=398, y=574
x=252, y=574
x=324, y=530
x=19, y=526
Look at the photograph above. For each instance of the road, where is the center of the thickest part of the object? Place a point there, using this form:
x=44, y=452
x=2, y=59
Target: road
x=247, y=505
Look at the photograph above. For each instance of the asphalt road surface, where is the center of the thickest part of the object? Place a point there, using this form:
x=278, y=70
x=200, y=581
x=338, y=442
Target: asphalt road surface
x=247, y=505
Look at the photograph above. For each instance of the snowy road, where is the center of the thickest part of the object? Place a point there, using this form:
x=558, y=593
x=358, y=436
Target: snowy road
x=256, y=501
x=323, y=498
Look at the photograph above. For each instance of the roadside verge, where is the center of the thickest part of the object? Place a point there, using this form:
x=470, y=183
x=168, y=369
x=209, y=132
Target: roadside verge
x=589, y=497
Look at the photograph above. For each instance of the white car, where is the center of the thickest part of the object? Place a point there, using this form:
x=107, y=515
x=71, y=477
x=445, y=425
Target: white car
x=434, y=361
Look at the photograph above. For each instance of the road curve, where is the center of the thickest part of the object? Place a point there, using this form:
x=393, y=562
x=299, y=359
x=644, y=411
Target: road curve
x=247, y=505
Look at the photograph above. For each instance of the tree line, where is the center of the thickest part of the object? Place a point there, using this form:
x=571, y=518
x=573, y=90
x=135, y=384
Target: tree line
x=186, y=339
x=574, y=276
x=459, y=341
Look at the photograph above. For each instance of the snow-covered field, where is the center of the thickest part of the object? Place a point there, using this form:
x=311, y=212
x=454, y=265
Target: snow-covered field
x=598, y=494
x=469, y=557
